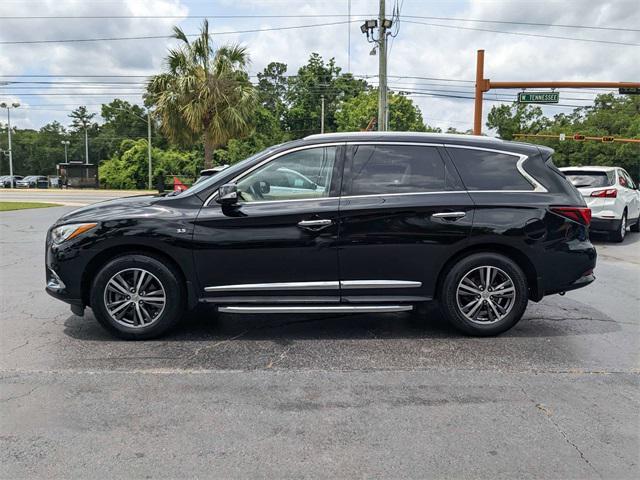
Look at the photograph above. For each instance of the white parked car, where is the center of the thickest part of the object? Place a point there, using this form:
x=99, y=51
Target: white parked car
x=612, y=196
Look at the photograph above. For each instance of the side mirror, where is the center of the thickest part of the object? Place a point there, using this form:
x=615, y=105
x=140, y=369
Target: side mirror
x=228, y=194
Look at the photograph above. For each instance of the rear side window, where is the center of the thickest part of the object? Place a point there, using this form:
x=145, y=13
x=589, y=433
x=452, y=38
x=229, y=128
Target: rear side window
x=583, y=179
x=486, y=170
x=380, y=169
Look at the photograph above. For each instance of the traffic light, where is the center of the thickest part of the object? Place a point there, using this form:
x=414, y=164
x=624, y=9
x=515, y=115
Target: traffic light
x=607, y=139
x=577, y=137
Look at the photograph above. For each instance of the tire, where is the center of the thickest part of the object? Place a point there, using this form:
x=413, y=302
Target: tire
x=620, y=232
x=137, y=316
x=455, y=295
x=636, y=226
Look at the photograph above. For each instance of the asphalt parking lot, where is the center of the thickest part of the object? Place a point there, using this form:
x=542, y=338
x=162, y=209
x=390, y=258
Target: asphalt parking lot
x=391, y=395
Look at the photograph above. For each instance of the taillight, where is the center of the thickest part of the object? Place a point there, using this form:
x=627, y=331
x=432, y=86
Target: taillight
x=577, y=214
x=608, y=193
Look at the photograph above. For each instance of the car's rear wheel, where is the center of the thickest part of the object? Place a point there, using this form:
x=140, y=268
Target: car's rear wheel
x=484, y=294
x=619, y=234
x=137, y=297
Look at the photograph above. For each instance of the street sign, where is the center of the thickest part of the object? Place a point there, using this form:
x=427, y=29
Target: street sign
x=563, y=137
x=629, y=91
x=538, y=97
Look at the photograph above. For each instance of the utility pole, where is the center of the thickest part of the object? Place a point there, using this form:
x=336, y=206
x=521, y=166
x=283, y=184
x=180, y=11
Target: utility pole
x=322, y=114
x=382, y=69
x=149, y=144
x=383, y=25
x=9, y=107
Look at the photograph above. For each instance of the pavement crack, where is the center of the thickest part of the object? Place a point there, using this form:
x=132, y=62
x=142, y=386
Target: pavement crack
x=16, y=397
x=548, y=413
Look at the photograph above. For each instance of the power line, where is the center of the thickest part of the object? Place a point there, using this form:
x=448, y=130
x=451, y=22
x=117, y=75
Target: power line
x=319, y=15
x=157, y=37
x=534, y=24
x=555, y=37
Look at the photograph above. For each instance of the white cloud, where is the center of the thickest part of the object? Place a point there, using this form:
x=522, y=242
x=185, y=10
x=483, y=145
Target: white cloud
x=419, y=50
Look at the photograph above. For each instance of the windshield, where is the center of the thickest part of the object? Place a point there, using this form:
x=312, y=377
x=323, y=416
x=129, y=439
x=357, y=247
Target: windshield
x=204, y=182
x=583, y=179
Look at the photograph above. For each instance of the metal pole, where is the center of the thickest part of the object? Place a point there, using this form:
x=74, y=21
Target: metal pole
x=349, y=37
x=149, y=144
x=382, y=71
x=65, y=153
x=477, y=114
x=322, y=114
x=86, y=147
x=11, y=179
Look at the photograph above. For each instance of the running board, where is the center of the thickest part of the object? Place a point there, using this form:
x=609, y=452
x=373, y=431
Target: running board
x=315, y=309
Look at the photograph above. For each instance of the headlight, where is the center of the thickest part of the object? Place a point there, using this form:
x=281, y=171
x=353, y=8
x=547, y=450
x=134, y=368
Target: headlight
x=67, y=232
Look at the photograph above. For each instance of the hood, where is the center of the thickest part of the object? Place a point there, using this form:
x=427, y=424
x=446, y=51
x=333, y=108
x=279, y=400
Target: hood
x=116, y=209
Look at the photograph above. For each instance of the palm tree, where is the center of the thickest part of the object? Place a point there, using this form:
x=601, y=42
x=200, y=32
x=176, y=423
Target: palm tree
x=203, y=94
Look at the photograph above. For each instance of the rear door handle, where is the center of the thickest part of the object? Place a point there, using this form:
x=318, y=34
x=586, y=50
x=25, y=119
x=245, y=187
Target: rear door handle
x=315, y=224
x=449, y=215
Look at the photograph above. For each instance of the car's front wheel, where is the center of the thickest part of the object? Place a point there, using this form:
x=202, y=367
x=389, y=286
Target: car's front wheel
x=137, y=297
x=484, y=294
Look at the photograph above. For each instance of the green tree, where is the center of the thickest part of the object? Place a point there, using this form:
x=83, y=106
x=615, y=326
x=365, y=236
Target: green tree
x=81, y=121
x=516, y=118
x=204, y=94
x=129, y=169
x=356, y=113
x=305, y=90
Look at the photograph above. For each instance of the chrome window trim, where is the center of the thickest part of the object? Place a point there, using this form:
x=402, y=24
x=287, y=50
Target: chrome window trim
x=537, y=186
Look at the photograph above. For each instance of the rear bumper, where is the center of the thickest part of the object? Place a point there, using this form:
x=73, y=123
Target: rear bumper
x=604, y=224
x=581, y=282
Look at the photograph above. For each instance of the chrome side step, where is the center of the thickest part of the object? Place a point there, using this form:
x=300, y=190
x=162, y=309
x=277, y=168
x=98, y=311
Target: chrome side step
x=315, y=308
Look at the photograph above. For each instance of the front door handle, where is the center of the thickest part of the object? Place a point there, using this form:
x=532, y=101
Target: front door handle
x=315, y=224
x=450, y=215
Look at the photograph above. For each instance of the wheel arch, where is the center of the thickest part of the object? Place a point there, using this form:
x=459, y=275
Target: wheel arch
x=522, y=260
x=120, y=250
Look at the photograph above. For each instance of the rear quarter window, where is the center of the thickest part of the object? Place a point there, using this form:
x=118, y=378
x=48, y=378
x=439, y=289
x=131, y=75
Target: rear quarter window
x=487, y=170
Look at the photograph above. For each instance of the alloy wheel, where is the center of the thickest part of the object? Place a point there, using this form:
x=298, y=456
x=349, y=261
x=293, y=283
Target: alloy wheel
x=134, y=297
x=485, y=295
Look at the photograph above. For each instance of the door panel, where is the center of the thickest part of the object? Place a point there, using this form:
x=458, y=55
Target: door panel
x=280, y=240
x=398, y=238
x=401, y=235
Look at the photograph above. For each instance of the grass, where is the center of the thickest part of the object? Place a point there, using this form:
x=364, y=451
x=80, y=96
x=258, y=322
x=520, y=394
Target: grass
x=7, y=206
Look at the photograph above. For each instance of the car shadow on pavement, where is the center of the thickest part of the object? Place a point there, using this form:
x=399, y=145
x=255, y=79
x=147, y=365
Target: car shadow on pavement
x=204, y=324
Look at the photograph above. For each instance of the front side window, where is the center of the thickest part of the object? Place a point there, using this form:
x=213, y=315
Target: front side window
x=293, y=176
x=380, y=169
x=487, y=170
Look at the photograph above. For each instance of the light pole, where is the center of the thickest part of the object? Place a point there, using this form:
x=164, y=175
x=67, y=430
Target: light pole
x=66, y=143
x=9, y=107
x=322, y=115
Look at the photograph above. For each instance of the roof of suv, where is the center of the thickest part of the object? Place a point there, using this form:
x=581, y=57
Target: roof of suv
x=470, y=140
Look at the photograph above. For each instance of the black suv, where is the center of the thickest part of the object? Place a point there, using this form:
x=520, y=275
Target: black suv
x=355, y=222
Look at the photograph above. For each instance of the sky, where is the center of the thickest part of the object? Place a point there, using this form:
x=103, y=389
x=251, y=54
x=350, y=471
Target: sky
x=429, y=57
